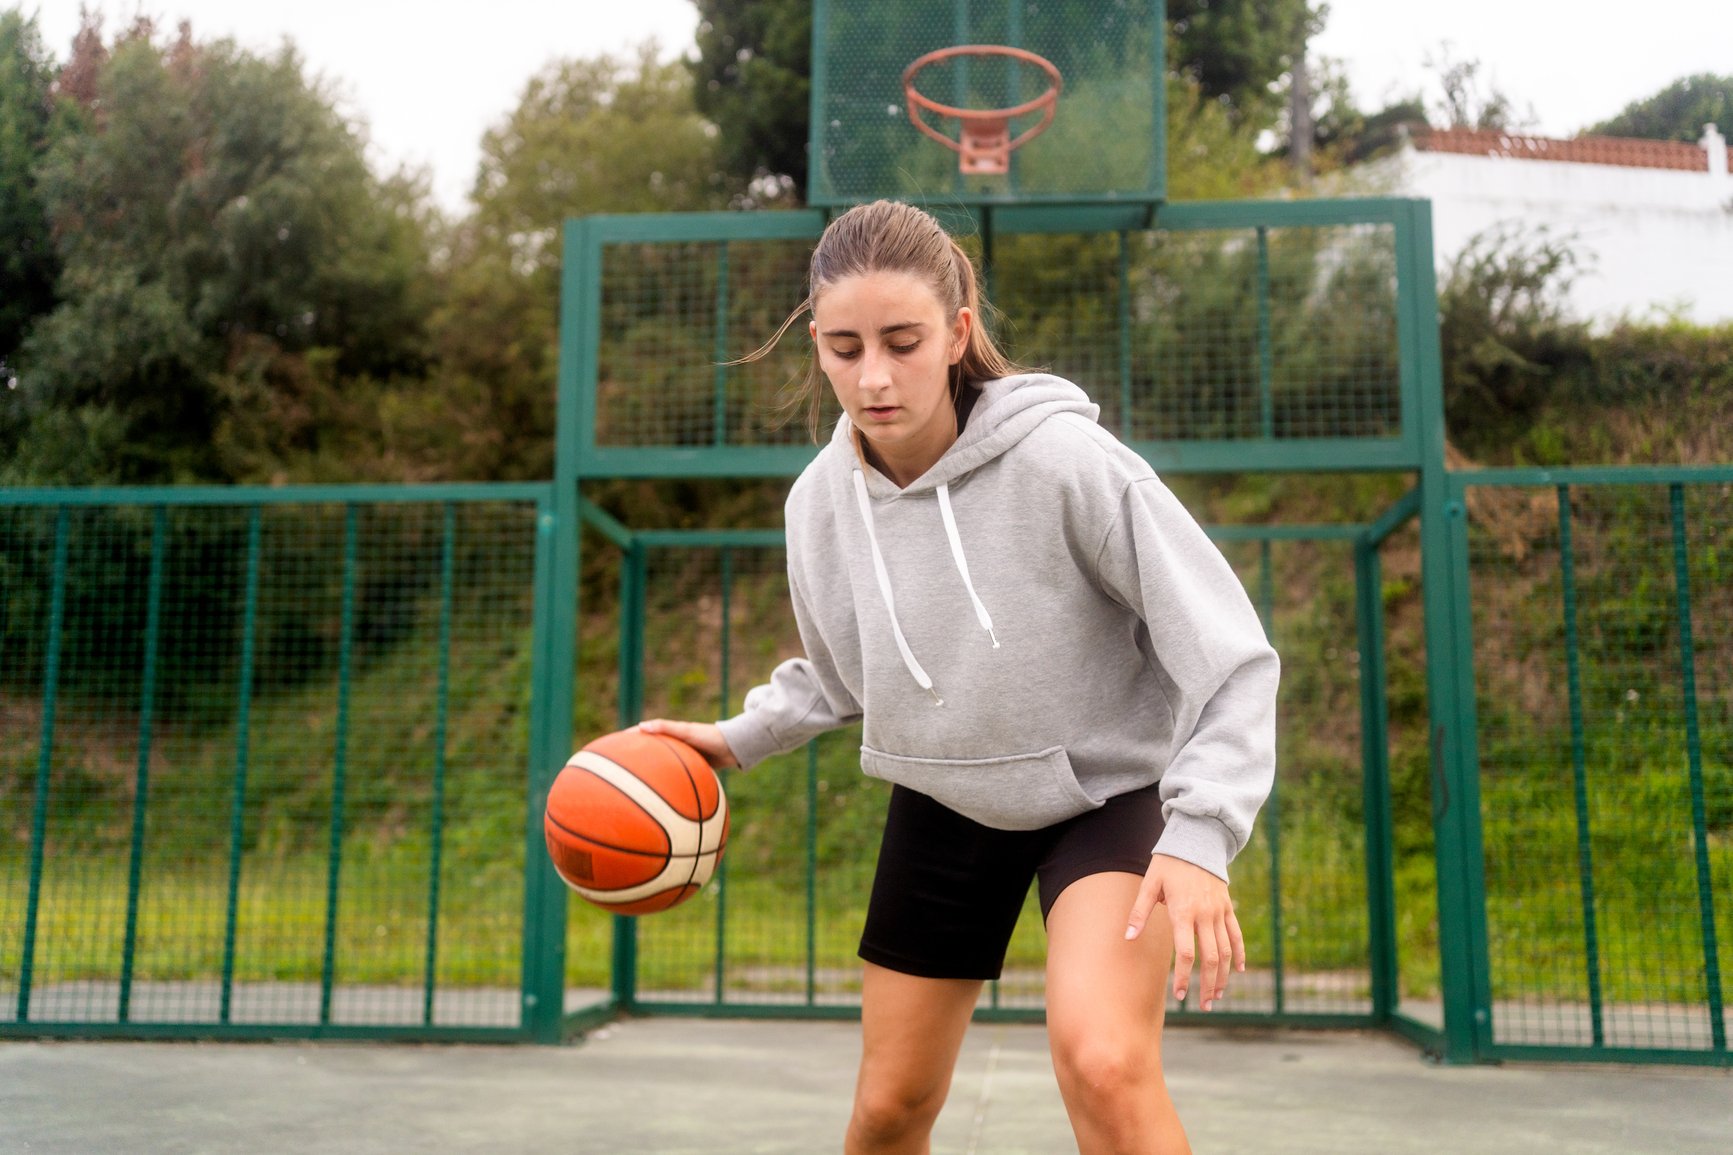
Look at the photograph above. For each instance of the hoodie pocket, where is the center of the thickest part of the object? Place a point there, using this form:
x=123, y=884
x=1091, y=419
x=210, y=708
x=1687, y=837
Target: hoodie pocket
x=1018, y=792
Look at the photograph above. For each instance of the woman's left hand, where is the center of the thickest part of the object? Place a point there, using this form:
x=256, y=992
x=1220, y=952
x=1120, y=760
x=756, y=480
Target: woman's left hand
x=1199, y=908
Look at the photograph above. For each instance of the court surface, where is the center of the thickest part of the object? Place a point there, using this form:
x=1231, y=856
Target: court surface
x=668, y=1086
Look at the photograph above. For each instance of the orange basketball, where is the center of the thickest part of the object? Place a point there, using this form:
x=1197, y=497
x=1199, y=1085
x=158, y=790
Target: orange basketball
x=636, y=822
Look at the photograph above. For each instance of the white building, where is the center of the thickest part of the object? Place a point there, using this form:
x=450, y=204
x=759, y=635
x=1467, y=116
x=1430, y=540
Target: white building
x=1651, y=222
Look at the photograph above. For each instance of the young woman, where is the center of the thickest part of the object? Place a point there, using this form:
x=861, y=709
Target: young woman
x=1053, y=665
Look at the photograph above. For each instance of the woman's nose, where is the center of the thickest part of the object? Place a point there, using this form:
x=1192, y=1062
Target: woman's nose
x=875, y=370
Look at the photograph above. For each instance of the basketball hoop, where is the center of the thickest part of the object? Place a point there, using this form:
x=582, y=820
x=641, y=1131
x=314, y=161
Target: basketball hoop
x=986, y=141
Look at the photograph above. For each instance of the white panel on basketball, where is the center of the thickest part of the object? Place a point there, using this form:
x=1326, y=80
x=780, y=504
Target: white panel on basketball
x=685, y=837
x=678, y=873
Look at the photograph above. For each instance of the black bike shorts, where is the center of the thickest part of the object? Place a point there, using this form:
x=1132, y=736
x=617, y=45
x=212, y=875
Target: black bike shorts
x=948, y=890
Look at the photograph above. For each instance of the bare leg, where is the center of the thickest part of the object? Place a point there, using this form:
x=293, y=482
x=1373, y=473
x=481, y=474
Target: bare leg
x=911, y=1031
x=1105, y=1007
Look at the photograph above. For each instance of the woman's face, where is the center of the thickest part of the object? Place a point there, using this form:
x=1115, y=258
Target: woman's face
x=887, y=347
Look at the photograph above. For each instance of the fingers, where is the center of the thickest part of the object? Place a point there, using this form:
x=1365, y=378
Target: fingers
x=1211, y=973
x=704, y=737
x=1147, y=896
x=1237, y=940
x=1184, y=949
x=1225, y=960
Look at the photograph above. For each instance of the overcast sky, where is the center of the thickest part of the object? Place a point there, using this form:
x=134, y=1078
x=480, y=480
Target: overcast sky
x=428, y=79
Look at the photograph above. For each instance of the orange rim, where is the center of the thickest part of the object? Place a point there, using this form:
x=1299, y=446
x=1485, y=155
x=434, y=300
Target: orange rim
x=1045, y=102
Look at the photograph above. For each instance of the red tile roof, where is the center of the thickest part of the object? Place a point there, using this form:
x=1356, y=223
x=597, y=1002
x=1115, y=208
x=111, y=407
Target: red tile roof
x=1615, y=150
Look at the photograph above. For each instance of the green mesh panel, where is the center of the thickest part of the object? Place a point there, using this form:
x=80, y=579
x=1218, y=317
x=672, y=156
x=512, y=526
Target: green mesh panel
x=1280, y=335
x=1106, y=138
x=780, y=924
x=1606, y=760
x=237, y=743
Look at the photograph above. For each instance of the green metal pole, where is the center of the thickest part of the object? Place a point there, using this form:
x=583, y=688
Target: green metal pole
x=1694, y=753
x=243, y=721
x=334, y=868
x=719, y=352
x=44, y=763
x=553, y=678
x=141, y=778
x=1266, y=357
x=1579, y=767
x=811, y=873
x=1272, y=808
x=632, y=580
x=542, y=981
x=436, y=831
x=722, y=712
x=1375, y=767
x=1449, y=660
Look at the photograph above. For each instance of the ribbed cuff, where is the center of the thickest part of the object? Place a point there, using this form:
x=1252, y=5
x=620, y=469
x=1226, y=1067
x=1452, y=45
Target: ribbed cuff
x=749, y=738
x=1200, y=841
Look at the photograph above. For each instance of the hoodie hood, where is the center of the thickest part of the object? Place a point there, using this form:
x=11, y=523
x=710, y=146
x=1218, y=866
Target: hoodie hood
x=1009, y=410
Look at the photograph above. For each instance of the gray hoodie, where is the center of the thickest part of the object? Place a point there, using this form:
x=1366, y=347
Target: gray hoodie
x=1033, y=626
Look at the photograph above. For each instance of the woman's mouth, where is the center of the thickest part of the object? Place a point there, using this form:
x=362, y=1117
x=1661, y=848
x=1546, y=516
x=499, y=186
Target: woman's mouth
x=881, y=412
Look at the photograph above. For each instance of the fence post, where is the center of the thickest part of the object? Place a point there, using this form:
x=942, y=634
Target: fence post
x=1449, y=673
x=1375, y=768
x=556, y=625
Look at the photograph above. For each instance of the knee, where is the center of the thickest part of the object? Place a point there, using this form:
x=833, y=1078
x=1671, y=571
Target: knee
x=1104, y=1071
x=888, y=1112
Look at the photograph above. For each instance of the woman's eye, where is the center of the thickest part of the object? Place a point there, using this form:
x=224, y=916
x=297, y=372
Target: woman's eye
x=845, y=354
x=905, y=348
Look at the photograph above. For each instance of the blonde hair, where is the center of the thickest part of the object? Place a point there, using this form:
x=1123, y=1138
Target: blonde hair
x=889, y=236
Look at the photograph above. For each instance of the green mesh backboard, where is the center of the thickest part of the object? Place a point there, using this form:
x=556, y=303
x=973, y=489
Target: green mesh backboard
x=1105, y=141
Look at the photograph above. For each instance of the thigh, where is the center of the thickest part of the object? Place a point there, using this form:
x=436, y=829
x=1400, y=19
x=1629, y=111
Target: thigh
x=1102, y=989
x=911, y=1031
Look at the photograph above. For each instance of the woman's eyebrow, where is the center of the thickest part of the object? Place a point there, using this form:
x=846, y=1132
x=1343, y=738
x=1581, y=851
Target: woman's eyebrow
x=884, y=330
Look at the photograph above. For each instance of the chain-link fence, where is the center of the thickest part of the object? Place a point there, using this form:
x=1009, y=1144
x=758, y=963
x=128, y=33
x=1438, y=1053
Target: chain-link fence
x=262, y=761
x=1601, y=609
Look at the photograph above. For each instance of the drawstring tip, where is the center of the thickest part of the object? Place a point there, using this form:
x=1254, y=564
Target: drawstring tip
x=937, y=701
x=994, y=636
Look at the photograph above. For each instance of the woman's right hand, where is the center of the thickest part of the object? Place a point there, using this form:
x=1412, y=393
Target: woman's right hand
x=704, y=737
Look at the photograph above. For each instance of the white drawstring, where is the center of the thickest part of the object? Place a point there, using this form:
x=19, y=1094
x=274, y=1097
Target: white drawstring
x=962, y=562
x=866, y=515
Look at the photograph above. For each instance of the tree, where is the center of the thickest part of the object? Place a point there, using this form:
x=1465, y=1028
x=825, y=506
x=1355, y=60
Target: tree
x=588, y=136
x=228, y=264
x=752, y=78
x=1236, y=50
x=1470, y=101
x=1677, y=112
x=27, y=266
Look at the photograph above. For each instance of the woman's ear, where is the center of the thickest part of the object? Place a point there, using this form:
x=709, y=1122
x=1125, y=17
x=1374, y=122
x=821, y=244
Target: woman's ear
x=960, y=330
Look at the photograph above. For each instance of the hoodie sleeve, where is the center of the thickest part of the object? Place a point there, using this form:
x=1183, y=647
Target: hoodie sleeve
x=804, y=698
x=1219, y=672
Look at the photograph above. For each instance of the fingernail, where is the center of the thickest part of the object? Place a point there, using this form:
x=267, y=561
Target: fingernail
x=1207, y=1004
x=1130, y=932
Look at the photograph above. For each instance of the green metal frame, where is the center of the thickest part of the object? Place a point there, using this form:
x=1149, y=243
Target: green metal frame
x=1439, y=501
x=541, y=1017
x=580, y=328
x=1381, y=944
x=1469, y=913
